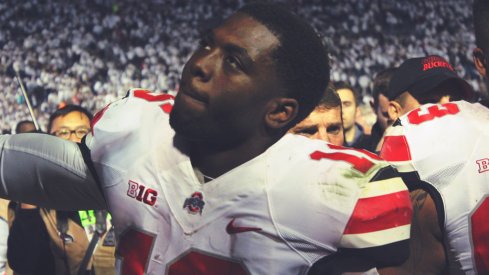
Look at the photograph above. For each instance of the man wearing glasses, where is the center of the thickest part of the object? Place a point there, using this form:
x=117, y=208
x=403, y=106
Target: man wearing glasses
x=71, y=122
x=57, y=241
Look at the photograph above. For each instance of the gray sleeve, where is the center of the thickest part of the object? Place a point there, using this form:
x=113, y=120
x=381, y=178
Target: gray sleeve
x=47, y=171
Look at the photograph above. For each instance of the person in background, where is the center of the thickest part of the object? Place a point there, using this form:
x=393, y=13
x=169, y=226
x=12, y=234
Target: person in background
x=6, y=212
x=380, y=106
x=25, y=126
x=324, y=122
x=438, y=144
x=421, y=80
x=354, y=133
x=45, y=241
x=481, y=53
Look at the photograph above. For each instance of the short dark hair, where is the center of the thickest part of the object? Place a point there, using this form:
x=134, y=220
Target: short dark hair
x=381, y=84
x=20, y=124
x=301, y=58
x=330, y=98
x=481, y=24
x=66, y=110
x=345, y=85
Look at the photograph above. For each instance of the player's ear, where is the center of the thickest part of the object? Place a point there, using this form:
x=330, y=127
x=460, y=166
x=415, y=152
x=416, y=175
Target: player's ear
x=480, y=61
x=394, y=110
x=281, y=111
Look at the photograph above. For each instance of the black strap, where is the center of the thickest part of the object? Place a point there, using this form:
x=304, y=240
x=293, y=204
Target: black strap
x=88, y=254
x=62, y=227
x=100, y=228
x=88, y=161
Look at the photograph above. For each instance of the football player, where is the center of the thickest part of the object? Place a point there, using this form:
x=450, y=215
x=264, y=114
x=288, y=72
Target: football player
x=209, y=182
x=440, y=150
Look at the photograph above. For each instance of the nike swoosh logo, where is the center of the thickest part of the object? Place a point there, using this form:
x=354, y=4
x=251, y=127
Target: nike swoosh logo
x=232, y=229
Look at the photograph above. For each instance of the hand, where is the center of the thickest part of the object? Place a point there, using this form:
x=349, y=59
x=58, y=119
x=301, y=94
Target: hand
x=27, y=206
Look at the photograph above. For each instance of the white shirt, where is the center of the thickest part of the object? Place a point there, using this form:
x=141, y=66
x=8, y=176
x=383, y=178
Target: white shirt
x=446, y=146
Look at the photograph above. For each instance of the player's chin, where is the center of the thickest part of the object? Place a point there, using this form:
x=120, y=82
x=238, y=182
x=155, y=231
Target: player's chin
x=185, y=121
x=197, y=130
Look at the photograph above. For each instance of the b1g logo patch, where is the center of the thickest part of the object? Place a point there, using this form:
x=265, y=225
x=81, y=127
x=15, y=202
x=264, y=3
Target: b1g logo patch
x=195, y=204
x=483, y=165
x=141, y=193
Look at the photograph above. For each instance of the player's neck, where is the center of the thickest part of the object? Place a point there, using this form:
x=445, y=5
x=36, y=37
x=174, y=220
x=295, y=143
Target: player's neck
x=214, y=163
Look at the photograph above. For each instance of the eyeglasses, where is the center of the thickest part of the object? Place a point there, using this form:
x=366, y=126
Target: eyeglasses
x=66, y=133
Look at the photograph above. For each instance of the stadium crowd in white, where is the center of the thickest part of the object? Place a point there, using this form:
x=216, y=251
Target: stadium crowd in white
x=89, y=52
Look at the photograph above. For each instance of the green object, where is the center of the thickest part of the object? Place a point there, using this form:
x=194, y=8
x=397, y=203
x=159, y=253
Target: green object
x=87, y=217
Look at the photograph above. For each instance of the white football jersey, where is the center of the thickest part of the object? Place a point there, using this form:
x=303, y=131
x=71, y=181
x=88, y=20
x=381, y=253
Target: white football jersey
x=279, y=213
x=446, y=147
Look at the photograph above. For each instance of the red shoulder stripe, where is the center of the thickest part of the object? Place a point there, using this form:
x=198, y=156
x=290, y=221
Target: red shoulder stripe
x=360, y=164
x=395, y=148
x=144, y=94
x=380, y=213
x=370, y=154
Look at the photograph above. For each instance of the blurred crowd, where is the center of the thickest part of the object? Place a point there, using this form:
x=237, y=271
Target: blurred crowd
x=90, y=52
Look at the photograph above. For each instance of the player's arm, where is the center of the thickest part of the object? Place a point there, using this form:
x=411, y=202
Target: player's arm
x=47, y=171
x=427, y=253
x=379, y=227
x=377, y=234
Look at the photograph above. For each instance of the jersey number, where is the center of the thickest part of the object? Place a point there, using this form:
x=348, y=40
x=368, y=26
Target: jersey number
x=136, y=247
x=480, y=241
x=144, y=94
x=360, y=164
x=420, y=115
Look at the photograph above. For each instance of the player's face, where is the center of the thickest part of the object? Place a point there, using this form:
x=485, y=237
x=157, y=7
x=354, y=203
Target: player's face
x=71, y=126
x=349, y=107
x=324, y=124
x=227, y=83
